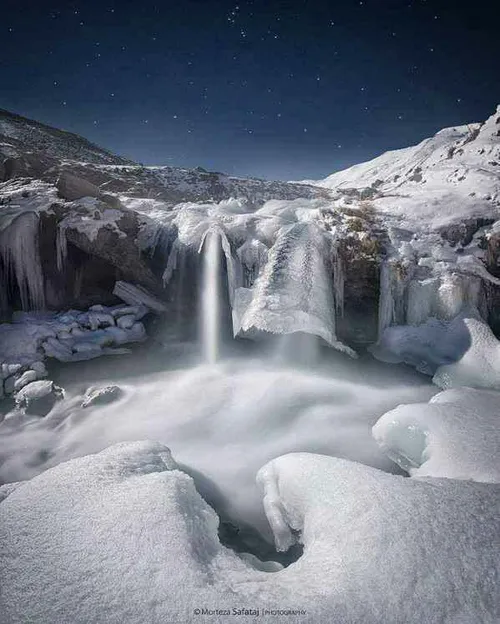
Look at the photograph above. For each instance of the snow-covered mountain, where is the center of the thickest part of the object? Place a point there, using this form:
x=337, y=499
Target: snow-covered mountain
x=29, y=148
x=451, y=176
x=19, y=135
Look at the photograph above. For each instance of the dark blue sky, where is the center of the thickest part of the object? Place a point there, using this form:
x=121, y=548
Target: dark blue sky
x=291, y=89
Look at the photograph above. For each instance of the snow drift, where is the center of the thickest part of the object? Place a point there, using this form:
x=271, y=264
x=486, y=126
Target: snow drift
x=455, y=435
x=123, y=536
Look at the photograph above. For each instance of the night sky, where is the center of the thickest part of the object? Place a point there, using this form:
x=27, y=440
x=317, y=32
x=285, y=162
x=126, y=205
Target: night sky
x=286, y=90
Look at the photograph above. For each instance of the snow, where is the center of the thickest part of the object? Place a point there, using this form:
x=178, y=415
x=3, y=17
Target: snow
x=446, y=178
x=460, y=352
x=480, y=364
x=66, y=336
x=87, y=216
x=378, y=548
x=455, y=435
x=21, y=196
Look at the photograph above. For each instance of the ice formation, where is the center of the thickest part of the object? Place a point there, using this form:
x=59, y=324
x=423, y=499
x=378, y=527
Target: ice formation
x=370, y=540
x=21, y=259
x=294, y=292
x=455, y=435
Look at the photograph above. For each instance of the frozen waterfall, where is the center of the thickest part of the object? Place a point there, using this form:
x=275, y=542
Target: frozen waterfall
x=294, y=292
x=21, y=259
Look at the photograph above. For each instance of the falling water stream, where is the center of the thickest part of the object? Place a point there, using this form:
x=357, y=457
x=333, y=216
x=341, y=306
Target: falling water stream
x=210, y=299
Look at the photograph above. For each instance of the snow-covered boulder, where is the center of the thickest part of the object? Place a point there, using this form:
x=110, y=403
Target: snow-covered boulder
x=479, y=366
x=460, y=352
x=38, y=397
x=384, y=548
x=455, y=435
x=378, y=548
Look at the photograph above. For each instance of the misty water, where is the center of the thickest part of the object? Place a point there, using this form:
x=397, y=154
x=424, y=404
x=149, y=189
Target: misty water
x=222, y=421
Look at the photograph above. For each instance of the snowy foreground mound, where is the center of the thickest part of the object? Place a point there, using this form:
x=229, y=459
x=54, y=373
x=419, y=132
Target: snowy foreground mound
x=123, y=537
x=455, y=435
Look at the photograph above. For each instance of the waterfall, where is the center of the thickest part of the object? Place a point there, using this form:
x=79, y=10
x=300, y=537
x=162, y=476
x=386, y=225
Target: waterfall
x=211, y=296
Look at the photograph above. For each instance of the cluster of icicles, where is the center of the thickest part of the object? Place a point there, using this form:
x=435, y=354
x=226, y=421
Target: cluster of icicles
x=292, y=281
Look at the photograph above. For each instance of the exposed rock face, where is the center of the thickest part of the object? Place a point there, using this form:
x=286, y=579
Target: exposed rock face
x=463, y=232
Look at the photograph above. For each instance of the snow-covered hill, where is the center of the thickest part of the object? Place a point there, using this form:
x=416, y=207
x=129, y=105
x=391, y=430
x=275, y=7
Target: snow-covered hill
x=19, y=135
x=31, y=149
x=451, y=176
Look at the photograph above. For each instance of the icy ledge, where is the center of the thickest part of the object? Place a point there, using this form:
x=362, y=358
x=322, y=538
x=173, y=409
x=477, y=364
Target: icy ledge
x=123, y=536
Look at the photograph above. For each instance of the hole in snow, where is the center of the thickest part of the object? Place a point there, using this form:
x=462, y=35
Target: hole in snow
x=235, y=534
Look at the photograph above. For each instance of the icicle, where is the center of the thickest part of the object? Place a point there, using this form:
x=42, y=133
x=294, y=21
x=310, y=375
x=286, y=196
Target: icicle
x=386, y=305
x=253, y=256
x=21, y=258
x=61, y=247
x=338, y=282
x=173, y=257
x=450, y=297
x=421, y=300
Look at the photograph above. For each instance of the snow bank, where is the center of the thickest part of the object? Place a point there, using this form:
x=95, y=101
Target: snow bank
x=123, y=536
x=117, y=537
x=382, y=548
x=479, y=366
x=455, y=435
x=461, y=352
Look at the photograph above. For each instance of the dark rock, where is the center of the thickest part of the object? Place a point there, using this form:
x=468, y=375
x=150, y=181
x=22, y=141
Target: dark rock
x=463, y=232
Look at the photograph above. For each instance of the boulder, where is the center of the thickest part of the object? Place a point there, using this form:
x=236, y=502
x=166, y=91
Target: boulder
x=39, y=397
x=72, y=187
